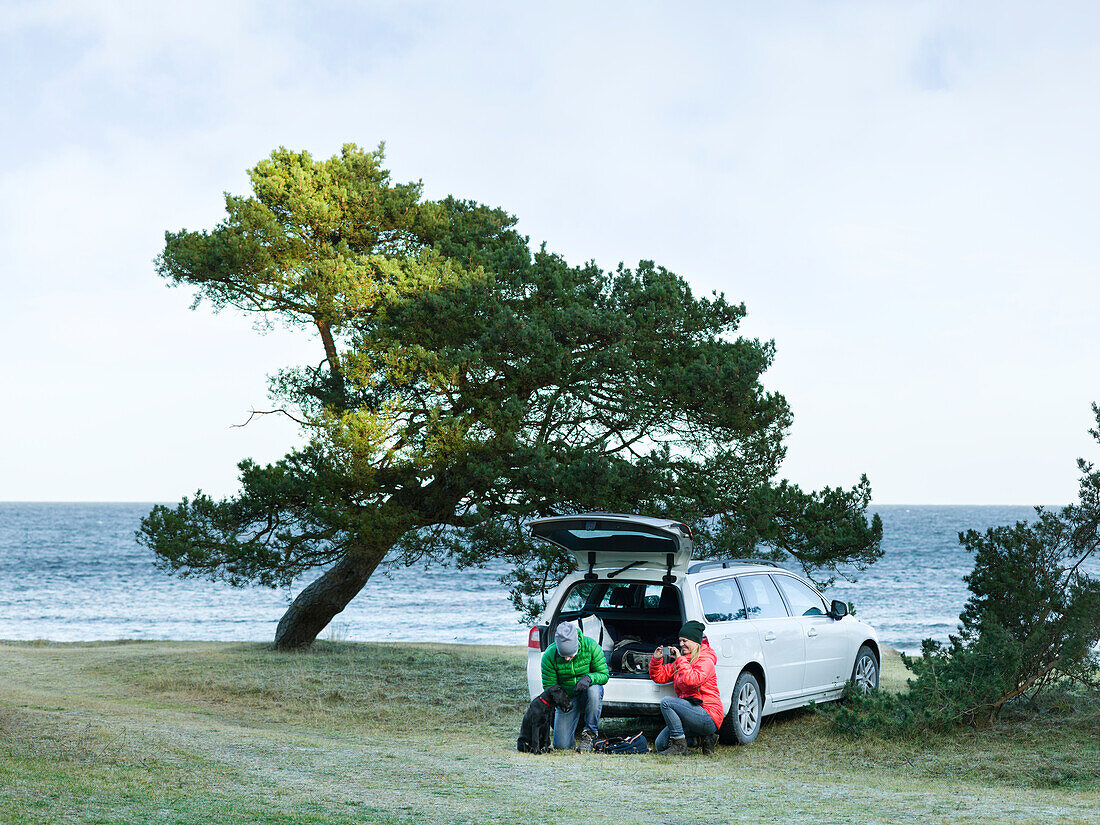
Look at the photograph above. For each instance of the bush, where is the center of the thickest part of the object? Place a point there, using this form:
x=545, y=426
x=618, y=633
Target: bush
x=1031, y=624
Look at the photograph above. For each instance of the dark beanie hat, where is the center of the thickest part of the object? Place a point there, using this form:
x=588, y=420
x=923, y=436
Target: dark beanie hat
x=693, y=631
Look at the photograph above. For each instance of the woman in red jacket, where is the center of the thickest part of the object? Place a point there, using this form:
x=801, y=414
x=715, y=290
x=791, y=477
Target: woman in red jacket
x=696, y=710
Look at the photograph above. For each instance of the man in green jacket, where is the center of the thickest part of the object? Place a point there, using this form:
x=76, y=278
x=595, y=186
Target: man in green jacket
x=577, y=664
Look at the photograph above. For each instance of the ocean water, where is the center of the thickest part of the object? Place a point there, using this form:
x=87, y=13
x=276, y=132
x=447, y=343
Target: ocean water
x=73, y=572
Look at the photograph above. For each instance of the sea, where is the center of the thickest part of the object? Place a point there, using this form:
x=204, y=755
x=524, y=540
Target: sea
x=74, y=572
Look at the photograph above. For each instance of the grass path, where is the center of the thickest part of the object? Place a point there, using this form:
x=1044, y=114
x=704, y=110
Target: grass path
x=209, y=732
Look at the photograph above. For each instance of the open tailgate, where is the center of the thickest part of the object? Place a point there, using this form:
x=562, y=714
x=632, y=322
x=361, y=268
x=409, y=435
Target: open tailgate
x=613, y=540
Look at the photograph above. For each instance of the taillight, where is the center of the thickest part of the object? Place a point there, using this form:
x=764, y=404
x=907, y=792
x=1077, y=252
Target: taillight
x=533, y=638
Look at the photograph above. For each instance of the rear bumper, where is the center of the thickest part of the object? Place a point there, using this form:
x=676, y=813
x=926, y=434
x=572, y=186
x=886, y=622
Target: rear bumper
x=635, y=695
x=617, y=709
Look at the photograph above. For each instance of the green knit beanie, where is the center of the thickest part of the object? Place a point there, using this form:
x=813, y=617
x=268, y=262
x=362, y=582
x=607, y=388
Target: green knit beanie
x=693, y=631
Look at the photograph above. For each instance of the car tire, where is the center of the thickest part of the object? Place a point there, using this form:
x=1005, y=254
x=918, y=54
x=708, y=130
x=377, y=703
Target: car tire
x=865, y=671
x=742, y=723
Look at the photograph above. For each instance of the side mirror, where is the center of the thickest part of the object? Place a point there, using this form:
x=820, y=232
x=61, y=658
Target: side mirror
x=839, y=609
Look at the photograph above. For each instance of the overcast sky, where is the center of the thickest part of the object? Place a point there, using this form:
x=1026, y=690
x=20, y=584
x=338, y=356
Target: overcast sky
x=905, y=195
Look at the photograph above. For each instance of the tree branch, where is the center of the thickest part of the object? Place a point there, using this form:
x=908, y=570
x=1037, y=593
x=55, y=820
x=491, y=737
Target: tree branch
x=281, y=411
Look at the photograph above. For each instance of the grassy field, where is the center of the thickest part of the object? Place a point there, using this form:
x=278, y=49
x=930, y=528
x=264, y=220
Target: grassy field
x=166, y=732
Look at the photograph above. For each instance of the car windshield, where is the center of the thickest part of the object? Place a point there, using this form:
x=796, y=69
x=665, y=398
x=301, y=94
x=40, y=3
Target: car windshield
x=577, y=598
x=621, y=596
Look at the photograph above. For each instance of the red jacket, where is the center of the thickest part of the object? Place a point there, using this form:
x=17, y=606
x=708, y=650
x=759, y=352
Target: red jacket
x=692, y=679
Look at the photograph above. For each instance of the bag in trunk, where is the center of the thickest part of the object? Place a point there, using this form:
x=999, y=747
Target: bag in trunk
x=631, y=656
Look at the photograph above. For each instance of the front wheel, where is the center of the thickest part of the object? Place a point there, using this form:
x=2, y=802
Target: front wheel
x=865, y=670
x=742, y=723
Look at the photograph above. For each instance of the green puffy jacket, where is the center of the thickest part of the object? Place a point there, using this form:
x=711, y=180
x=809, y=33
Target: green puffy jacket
x=589, y=661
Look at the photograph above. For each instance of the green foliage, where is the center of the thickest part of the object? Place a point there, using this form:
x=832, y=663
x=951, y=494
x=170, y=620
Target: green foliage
x=878, y=711
x=1030, y=626
x=469, y=383
x=817, y=528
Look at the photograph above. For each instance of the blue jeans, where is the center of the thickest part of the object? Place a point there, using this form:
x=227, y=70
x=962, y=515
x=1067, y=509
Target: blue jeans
x=589, y=705
x=683, y=719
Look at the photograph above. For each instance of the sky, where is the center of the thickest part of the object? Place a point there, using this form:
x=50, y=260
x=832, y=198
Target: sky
x=905, y=196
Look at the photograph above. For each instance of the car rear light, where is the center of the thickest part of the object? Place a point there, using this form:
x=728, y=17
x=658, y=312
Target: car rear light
x=533, y=638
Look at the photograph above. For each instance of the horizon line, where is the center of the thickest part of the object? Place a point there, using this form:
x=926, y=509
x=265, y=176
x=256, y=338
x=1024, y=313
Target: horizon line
x=872, y=504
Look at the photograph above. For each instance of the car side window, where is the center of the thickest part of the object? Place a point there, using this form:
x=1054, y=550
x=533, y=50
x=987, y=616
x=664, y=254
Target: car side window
x=762, y=600
x=721, y=601
x=803, y=600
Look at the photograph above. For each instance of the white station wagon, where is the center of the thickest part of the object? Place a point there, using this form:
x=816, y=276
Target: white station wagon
x=779, y=644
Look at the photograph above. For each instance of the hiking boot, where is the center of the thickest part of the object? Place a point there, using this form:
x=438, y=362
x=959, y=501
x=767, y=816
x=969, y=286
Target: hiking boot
x=677, y=746
x=707, y=743
x=585, y=741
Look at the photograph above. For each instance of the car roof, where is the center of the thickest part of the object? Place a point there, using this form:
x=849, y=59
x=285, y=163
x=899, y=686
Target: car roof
x=736, y=569
x=710, y=572
x=713, y=566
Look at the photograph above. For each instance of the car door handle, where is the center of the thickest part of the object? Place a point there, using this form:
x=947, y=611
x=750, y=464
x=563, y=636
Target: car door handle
x=812, y=631
x=769, y=636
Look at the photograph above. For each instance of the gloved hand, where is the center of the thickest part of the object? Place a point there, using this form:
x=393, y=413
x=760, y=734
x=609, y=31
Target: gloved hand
x=583, y=684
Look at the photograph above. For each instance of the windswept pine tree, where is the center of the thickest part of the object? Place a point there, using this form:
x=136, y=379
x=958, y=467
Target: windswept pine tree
x=466, y=383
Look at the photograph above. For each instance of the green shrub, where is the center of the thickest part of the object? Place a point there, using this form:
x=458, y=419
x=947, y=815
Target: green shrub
x=1030, y=626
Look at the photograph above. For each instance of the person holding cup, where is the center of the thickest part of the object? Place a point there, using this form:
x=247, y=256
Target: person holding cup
x=694, y=714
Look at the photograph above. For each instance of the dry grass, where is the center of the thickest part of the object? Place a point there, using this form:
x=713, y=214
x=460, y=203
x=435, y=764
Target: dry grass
x=204, y=732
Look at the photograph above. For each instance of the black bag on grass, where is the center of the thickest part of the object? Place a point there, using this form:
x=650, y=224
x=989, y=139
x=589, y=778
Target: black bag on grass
x=622, y=744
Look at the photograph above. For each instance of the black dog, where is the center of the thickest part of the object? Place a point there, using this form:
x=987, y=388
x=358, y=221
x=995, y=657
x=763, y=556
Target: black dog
x=534, y=733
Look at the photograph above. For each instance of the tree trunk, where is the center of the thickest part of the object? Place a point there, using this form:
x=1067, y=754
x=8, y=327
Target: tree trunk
x=319, y=602
x=324, y=598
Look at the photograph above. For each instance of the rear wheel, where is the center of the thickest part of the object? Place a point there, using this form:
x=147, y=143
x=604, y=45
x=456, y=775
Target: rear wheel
x=742, y=723
x=865, y=670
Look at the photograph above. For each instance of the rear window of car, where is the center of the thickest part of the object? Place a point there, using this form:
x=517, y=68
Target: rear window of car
x=762, y=599
x=722, y=601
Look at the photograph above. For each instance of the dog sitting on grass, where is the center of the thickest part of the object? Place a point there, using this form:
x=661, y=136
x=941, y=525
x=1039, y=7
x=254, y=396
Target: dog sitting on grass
x=534, y=732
